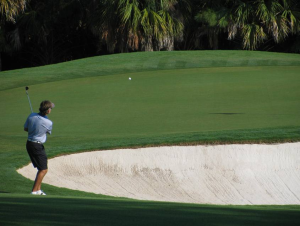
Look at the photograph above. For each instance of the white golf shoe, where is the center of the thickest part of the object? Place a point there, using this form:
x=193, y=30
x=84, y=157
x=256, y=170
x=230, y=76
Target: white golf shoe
x=40, y=192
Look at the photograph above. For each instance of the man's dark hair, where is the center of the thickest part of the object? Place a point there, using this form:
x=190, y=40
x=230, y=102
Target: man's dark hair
x=44, y=106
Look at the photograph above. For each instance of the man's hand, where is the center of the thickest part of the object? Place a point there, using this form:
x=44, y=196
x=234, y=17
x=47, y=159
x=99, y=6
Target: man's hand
x=26, y=129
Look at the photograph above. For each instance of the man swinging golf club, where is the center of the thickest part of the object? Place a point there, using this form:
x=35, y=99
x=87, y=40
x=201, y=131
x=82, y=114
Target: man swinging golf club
x=38, y=126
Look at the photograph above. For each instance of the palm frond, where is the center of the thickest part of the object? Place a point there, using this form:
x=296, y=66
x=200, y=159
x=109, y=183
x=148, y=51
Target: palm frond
x=11, y=8
x=253, y=35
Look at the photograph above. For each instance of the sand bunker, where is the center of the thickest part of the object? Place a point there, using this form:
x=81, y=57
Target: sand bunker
x=221, y=174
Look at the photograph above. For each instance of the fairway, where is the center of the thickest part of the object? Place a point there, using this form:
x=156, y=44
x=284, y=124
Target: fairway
x=174, y=98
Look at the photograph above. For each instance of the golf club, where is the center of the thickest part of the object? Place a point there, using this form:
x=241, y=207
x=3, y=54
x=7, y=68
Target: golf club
x=26, y=88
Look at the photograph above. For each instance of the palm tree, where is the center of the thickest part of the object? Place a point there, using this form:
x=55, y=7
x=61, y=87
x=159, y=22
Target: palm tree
x=140, y=24
x=11, y=8
x=255, y=21
x=105, y=23
x=145, y=23
x=260, y=20
x=250, y=26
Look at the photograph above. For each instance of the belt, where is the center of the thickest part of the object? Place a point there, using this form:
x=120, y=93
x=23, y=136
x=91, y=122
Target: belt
x=34, y=141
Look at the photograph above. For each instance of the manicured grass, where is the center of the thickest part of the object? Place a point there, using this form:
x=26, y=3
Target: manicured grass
x=173, y=98
x=26, y=210
x=143, y=61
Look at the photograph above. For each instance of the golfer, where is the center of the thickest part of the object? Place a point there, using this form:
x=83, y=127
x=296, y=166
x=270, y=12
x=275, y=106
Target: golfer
x=38, y=126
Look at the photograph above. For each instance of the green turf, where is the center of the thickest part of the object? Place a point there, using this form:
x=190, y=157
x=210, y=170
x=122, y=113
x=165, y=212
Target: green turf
x=26, y=210
x=143, y=61
x=173, y=98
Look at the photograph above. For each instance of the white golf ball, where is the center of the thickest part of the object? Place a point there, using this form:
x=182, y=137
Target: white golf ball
x=129, y=78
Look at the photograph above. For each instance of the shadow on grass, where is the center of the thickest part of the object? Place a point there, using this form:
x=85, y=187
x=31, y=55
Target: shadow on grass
x=28, y=210
x=227, y=113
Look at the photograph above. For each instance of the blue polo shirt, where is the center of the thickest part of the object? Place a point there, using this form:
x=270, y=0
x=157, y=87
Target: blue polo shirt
x=38, y=127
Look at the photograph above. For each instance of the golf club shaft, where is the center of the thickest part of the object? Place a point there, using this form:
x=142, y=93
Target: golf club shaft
x=29, y=101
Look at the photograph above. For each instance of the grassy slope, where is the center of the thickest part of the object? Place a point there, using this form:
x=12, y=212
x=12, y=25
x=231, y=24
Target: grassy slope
x=137, y=62
x=90, y=70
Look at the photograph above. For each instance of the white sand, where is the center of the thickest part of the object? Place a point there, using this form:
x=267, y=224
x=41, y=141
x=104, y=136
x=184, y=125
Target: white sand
x=221, y=174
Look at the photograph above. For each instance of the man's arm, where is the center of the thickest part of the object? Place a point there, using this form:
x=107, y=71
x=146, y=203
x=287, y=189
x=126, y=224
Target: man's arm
x=48, y=129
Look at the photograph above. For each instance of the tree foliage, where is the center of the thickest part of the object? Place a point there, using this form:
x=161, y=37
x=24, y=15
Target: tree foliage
x=39, y=32
x=11, y=8
x=139, y=24
x=255, y=21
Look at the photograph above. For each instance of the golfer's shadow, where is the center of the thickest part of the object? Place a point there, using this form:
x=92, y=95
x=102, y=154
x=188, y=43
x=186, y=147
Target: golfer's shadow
x=227, y=113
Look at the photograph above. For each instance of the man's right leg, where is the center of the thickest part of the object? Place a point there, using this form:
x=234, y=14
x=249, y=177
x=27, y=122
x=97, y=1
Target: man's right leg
x=38, y=180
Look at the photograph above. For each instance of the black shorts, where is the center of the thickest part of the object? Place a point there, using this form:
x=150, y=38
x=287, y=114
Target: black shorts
x=37, y=155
